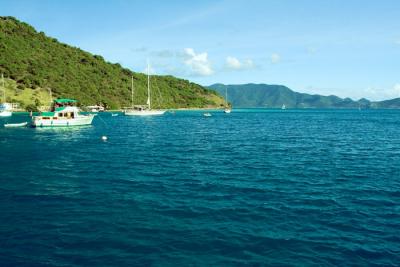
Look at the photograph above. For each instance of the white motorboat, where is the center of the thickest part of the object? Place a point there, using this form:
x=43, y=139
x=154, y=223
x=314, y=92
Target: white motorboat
x=64, y=113
x=95, y=108
x=15, y=125
x=5, y=110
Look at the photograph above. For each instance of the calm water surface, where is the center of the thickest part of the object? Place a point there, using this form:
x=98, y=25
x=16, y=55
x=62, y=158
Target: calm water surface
x=250, y=188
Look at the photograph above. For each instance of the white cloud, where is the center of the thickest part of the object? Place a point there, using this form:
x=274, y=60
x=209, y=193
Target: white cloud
x=198, y=63
x=235, y=64
x=275, y=58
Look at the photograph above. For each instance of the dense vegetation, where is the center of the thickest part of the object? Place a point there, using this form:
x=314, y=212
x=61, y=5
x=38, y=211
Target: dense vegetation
x=34, y=63
x=274, y=96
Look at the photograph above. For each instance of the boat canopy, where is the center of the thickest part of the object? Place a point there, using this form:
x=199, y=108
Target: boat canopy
x=47, y=114
x=64, y=101
x=60, y=109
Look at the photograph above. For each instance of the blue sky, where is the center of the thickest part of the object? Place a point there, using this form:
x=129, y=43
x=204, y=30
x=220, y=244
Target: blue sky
x=348, y=48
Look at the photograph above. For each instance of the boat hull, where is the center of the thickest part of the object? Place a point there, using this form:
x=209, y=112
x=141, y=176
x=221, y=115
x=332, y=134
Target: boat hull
x=55, y=122
x=227, y=110
x=144, y=112
x=5, y=113
x=15, y=125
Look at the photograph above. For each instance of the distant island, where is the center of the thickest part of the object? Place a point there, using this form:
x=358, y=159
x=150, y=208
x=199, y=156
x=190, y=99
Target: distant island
x=34, y=65
x=275, y=96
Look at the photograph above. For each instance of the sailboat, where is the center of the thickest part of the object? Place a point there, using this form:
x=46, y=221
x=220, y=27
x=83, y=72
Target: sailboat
x=283, y=106
x=143, y=110
x=5, y=108
x=227, y=108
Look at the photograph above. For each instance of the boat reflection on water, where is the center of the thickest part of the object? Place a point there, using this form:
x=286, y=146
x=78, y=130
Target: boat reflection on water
x=64, y=134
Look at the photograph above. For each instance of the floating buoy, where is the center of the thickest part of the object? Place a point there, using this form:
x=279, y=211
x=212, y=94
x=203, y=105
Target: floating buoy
x=104, y=138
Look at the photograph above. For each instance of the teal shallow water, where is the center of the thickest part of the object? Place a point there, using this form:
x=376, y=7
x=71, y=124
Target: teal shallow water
x=254, y=187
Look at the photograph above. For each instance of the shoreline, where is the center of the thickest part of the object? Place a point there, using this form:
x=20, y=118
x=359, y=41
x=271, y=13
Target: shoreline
x=219, y=109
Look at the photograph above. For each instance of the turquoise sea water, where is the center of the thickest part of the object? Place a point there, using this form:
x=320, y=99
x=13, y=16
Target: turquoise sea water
x=250, y=188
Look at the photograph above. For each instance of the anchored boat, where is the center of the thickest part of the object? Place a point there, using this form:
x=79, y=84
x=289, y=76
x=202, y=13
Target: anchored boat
x=16, y=125
x=143, y=110
x=64, y=112
x=227, y=109
x=5, y=108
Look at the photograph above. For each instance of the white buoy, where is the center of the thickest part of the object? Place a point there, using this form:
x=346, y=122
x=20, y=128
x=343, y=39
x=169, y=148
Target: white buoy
x=104, y=138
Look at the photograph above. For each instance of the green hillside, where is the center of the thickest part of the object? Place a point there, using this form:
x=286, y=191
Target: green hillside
x=391, y=103
x=274, y=96
x=33, y=63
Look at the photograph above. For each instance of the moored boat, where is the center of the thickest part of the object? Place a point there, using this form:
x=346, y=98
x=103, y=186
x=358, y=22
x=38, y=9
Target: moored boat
x=228, y=108
x=5, y=108
x=143, y=110
x=95, y=108
x=15, y=125
x=64, y=113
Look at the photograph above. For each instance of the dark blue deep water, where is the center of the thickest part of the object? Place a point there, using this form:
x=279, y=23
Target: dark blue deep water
x=252, y=188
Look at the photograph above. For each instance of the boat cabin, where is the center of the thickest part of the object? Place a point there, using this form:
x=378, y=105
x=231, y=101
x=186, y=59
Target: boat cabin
x=138, y=107
x=61, y=109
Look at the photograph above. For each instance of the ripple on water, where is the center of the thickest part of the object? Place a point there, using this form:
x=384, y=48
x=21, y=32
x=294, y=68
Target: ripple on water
x=259, y=187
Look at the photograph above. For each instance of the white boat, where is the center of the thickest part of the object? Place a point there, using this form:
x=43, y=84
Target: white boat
x=5, y=108
x=64, y=113
x=283, y=106
x=143, y=110
x=15, y=125
x=207, y=114
x=95, y=108
x=227, y=108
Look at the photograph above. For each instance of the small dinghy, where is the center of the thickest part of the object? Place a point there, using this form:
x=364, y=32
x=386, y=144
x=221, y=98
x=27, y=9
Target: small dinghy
x=114, y=114
x=207, y=114
x=15, y=125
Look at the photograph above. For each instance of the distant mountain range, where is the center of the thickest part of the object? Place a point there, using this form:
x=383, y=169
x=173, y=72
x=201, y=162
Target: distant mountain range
x=274, y=96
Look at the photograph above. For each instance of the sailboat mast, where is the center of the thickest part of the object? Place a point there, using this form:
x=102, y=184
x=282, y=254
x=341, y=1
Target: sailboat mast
x=132, y=92
x=148, y=85
x=226, y=96
x=51, y=96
